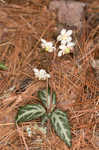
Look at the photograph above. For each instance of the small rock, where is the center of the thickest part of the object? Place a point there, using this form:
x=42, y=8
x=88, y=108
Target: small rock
x=68, y=12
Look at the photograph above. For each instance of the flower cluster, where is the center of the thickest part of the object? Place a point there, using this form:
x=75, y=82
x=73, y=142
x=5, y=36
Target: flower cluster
x=64, y=38
x=48, y=46
x=41, y=74
x=66, y=46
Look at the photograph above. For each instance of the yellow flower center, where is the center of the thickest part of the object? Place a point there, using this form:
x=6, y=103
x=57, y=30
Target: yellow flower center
x=64, y=37
x=47, y=48
x=67, y=50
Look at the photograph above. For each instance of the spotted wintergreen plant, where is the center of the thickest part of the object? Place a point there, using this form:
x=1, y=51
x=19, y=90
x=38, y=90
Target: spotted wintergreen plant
x=57, y=117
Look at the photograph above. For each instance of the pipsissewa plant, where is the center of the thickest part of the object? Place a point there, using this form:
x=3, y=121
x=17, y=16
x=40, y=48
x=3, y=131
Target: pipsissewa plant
x=57, y=117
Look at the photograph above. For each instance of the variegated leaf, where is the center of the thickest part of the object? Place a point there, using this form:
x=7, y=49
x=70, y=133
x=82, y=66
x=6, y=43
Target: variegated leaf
x=61, y=126
x=54, y=98
x=30, y=112
x=53, y=101
x=45, y=97
x=44, y=119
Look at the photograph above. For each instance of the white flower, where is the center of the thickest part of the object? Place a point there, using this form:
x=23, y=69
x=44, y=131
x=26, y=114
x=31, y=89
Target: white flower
x=41, y=74
x=48, y=46
x=64, y=36
x=65, y=49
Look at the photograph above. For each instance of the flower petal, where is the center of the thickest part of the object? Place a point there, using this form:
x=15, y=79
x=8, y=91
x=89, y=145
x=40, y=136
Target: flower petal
x=63, y=31
x=63, y=42
x=49, y=44
x=35, y=70
x=62, y=46
x=69, y=32
x=43, y=41
x=48, y=76
x=60, y=53
x=59, y=38
x=42, y=71
x=42, y=45
x=70, y=44
x=69, y=39
x=41, y=74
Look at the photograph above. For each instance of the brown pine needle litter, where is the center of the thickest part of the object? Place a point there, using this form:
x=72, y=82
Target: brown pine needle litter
x=73, y=78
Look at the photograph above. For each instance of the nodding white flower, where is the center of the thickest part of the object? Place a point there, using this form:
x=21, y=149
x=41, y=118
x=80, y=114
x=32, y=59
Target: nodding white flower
x=48, y=46
x=64, y=36
x=41, y=74
x=65, y=49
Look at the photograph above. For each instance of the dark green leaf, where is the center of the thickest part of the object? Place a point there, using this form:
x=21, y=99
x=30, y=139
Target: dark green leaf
x=44, y=119
x=30, y=112
x=61, y=126
x=54, y=98
x=45, y=97
x=53, y=101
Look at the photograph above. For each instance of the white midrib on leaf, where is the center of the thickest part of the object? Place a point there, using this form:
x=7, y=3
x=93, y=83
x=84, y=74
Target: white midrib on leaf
x=48, y=101
x=30, y=112
x=62, y=128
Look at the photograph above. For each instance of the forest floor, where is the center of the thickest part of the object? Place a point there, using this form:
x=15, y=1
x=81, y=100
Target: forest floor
x=74, y=77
